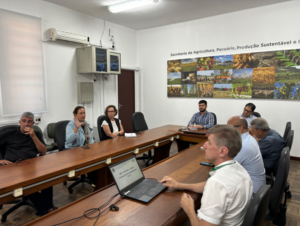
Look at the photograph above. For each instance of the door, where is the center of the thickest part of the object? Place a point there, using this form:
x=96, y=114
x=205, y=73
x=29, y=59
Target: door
x=126, y=96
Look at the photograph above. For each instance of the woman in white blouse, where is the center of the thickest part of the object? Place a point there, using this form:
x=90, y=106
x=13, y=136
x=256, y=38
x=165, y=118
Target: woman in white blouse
x=111, y=126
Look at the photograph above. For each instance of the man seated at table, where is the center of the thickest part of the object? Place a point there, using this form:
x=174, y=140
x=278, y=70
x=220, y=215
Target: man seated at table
x=270, y=143
x=25, y=143
x=228, y=190
x=248, y=113
x=249, y=156
x=202, y=119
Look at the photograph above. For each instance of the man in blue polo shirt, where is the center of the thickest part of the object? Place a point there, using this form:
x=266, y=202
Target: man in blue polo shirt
x=202, y=119
x=270, y=143
x=249, y=156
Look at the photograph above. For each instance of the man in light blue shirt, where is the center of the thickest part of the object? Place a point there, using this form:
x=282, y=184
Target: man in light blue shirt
x=202, y=119
x=248, y=113
x=249, y=156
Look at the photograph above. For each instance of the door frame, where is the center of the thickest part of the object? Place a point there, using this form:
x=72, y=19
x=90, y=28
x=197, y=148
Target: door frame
x=138, y=96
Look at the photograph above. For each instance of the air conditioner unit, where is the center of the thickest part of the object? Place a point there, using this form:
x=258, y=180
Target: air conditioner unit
x=64, y=36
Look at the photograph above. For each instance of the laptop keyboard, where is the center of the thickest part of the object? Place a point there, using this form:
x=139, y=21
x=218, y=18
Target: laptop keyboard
x=141, y=189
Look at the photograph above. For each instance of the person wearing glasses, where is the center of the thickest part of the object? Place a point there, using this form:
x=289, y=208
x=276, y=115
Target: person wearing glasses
x=111, y=126
x=79, y=133
x=25, y=143
x=249, y=156
x=248, y=113
x=227, y=192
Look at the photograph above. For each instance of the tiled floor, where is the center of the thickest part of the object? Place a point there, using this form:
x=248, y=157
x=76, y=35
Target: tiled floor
x=62, y=197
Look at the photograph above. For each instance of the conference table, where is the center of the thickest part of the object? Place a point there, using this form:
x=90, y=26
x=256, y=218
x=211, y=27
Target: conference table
x=32, y=175
x=164, y=209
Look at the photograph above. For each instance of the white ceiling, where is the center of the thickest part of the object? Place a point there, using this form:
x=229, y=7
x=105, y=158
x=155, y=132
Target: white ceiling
x=163, y=13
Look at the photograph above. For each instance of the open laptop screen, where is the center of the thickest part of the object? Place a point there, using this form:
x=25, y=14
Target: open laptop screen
x=126, y=173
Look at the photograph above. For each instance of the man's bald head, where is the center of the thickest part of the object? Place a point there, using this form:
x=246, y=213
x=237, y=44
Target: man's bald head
x=238, y=121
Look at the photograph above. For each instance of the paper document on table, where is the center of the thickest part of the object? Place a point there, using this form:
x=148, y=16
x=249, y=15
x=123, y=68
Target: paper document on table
x=130, y=135
x=193, y=128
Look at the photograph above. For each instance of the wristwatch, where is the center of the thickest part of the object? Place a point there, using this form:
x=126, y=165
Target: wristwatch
x=119, y=134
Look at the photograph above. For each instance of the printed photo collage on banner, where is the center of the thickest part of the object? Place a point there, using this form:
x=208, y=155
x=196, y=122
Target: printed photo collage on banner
x=266, y=75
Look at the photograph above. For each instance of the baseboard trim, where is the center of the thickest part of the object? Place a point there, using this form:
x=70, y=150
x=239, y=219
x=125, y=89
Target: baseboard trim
x=295, y=158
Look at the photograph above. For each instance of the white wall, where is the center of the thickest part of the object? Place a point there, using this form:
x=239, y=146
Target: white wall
x=60, y=60
x=265, y=24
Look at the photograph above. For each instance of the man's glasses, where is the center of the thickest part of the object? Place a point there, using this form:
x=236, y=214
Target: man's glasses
x=25, y=121
x=247, y=110
x=111, y=111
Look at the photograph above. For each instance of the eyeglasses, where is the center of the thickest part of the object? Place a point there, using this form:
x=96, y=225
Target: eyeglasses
x=111, y=111
x=237, y=126
x=247, y=110
x=25, y=121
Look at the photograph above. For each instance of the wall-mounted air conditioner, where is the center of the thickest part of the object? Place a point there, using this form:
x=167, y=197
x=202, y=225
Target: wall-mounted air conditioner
x=64, y=36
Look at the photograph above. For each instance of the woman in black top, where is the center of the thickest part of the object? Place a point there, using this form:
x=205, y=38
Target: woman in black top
x=111, y=126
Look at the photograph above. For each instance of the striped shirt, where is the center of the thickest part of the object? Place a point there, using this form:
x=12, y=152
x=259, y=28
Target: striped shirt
x=207, y=120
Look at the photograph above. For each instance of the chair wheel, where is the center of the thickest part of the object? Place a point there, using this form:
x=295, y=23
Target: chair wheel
x=3, y=219
x=65, y=183
x=70, y=190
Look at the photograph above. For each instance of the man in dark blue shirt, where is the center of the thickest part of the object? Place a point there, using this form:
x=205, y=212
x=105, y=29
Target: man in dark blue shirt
x=24, y=143
x=270, y=143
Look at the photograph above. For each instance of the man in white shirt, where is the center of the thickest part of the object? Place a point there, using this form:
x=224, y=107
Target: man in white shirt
x=228, y=190
x=249, y=156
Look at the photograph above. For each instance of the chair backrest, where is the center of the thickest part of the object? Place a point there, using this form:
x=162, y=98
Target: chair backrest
x=4, y=129
x=288, y=128
x=256, y=114
x=60, y=134
x=139, y=122
x=99, y=123
x=37, y=129
x=280, y=181
x=215, y=118
x=51, y=131
x=258, y=207
x=289, y=140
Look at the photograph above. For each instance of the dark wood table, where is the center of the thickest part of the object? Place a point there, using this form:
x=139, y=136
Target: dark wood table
x=162, y=210
x=45, y=171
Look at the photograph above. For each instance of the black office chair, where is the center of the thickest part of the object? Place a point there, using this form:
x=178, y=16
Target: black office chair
x=289, y=144
x=139, y=124
x=24, y=201
x=38, y=129
x=258, y=207
x=288, y=128
x=256, y=114
x=215, y=118
x=51, y=134
x=277, y=210
x=99, y=123
x=60, y=137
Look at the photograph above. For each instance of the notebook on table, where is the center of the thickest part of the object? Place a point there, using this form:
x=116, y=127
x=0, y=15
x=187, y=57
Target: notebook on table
x=131, y=182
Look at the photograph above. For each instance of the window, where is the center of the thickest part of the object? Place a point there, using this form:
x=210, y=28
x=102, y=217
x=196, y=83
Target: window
x=21, y=64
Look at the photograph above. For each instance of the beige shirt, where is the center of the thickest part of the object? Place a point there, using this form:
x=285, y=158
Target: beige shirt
x=226, y=195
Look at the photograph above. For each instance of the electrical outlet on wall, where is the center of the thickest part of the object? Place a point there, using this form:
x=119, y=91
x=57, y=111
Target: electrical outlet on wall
x=37, y=119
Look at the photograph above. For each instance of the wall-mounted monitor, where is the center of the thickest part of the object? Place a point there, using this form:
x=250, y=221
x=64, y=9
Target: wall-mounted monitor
x=93, y=59
x=115, y=63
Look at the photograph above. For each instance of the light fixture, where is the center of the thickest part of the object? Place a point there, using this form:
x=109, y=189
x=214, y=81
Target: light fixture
x=129, y=4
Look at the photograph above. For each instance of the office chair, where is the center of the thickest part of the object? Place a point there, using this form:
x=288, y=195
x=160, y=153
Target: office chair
x=51, y=134
x=277, y=210
x=289, y=144
x=100, y=130
x=215, y=118
x=288, y=128
x=256, y=114
x=24, y=201
x=258, y=207
x=139, y=124
x=60, y=137
x=38, y=129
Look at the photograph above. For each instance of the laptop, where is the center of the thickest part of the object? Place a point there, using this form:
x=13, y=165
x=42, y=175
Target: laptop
x=131, y=182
